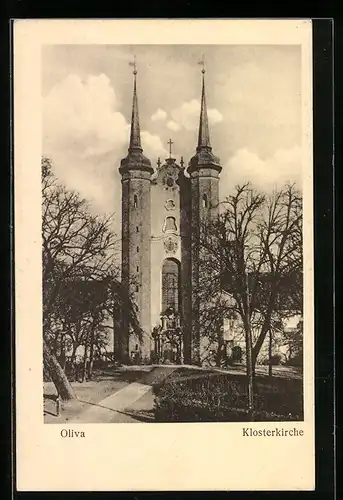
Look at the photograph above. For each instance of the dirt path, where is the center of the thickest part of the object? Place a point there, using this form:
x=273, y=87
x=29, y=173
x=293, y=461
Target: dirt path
x=127, y=402
x=112, y=408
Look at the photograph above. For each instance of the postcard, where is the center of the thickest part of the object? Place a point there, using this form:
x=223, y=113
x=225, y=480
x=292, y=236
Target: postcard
x=163, y=255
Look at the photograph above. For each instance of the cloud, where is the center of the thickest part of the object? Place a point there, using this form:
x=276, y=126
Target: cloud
x=152, y=145
x=75, y=110
x=173, y=126
x=265, y=174
x=187, y=115
x=261, y=101
x=86, y=136
x=214, y=116
x=159, y=115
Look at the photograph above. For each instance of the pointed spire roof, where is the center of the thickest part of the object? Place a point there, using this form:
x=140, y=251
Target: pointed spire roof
x=135, y=135
x=135, y=160
x=204, y=133
x=204, y=158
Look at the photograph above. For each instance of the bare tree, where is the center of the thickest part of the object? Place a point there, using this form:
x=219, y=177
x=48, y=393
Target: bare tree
x=254, y=255
x=77, y=246
x=81, y=281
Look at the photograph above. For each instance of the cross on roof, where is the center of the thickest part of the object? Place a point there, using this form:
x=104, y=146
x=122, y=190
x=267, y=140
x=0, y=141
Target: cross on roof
x=170, y=142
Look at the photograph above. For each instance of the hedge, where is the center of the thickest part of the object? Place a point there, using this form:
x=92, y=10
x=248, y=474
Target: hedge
x=221, y=397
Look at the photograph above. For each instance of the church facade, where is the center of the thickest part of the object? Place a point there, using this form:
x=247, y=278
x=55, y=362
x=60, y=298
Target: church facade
x=162, y=211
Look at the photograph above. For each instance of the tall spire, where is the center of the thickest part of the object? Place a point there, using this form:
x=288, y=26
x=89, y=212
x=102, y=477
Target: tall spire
x=204, y=133
x=135, y=160
x=203, y=156
x=135, y=135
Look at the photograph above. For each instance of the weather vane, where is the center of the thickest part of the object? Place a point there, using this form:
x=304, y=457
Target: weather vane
x=133, y=63
x=202, y=63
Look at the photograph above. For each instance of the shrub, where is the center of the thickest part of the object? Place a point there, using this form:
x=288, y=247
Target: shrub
x=154, y=358
x=276, y=359
x=223, y=397
x=296, y=360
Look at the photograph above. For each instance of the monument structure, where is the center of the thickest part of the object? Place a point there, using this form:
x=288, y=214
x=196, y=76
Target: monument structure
x=162, y=212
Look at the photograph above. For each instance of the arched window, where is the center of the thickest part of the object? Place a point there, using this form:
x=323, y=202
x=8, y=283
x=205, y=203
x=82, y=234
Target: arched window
x=204, y=201
x=135, y=201
x=170, y=284
x=170, y=224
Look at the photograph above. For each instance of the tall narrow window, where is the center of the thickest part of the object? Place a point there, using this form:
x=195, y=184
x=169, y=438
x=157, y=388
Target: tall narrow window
x=137, y=229
x=137, y=269
x=170, y=284
x=135, y=201
x=204, y=201
x=137, y=248
x=137, y=288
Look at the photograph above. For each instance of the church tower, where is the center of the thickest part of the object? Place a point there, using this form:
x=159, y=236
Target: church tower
x=204, y=170
x=136, y=171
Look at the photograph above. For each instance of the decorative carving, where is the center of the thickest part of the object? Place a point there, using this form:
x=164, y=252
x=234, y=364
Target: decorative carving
x=170, y=245
x=169, y=205
x=168, y=180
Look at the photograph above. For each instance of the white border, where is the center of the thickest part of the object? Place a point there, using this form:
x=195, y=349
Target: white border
x=154, y=457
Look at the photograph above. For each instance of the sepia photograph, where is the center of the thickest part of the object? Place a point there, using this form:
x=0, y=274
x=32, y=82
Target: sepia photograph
x=164, y=255
x=172, y=233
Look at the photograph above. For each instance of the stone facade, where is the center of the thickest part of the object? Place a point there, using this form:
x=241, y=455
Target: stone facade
x=162, y=212
x=136, y=249
x=136, y=172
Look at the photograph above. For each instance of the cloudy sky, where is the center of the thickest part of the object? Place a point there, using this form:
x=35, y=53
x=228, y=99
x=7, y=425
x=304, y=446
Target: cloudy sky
x=253, y=98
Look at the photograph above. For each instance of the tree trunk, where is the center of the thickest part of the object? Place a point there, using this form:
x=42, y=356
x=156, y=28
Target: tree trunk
x=84, y=366
x=73, y=354
x=270, y=353
x=55, y=348
x=90, y=365
x=219, y=355
x=63, y=348
x=261, y=338
x=249, y=368
x=63, y=358
x=250, y=363
x=62, y=384
x=91, y=356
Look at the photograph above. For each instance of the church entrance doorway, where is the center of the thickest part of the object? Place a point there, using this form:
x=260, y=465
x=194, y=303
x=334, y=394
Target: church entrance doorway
x=168, y=336
x=168, y=339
